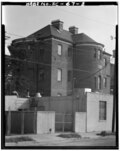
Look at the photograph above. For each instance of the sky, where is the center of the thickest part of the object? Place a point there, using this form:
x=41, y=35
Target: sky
x=98, y=22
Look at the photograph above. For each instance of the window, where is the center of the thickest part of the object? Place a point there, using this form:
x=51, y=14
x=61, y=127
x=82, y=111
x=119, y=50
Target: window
x=102, y=110
x=99, y=82
x=59, y=50
x=99, y=54
x=42, y=54
x=41, y=74
x=94, y=52
x=105, y=82
x=95, y=81
x=105, y=61
x=69, y=52
x=69, y=75
x=59, y=75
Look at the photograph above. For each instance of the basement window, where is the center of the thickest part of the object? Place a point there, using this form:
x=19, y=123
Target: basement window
x=102, y=110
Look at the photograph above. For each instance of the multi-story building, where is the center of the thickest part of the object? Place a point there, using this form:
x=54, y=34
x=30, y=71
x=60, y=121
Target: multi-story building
x=57, y=61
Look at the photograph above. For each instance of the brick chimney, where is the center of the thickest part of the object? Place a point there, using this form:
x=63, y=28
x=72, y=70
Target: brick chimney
x=73, y=30
x=57, y=24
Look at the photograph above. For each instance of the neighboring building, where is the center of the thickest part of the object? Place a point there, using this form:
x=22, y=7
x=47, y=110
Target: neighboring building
x=59, y=61
x=112, y=73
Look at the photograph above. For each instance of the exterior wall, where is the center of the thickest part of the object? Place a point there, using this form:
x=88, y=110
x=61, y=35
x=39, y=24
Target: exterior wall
x=60, y=62
x=80, y=122
x=85, y=63
x=93, y=122
x=45, y=122
x=106, y=73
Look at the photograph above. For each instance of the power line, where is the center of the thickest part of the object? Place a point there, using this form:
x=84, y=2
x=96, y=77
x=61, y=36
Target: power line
x=11, y=58
x=14, y=35
x=57, y=66
x=93, y=73
x=84, y=17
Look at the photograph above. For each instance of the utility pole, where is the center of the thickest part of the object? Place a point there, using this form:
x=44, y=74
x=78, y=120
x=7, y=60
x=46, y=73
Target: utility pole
x=115, y=88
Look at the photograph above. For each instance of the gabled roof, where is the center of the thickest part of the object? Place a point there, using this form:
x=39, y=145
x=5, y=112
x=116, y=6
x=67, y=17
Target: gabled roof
x=83, y=38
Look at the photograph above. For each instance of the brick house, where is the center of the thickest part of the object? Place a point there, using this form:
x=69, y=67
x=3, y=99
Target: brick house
x=57, y=61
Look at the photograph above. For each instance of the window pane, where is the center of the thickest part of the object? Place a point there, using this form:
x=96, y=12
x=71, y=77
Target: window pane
x=105, y=82
x=95, y=80
x=99, y=82
x=59, y=75
x=99, y=54
x=69, y=75
x=102, y=110
x=59, y=49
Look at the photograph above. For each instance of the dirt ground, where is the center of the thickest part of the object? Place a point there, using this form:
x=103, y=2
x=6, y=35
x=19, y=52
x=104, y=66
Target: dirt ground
x=40, y=140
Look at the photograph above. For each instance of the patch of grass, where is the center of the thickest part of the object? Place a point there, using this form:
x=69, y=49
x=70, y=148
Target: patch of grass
x=18, y=139
x=104, y=133
x=71, y=135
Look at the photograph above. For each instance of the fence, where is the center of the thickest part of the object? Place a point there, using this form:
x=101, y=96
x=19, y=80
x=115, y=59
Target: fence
x=17, y=122
x=32, y=122
x=63, y=122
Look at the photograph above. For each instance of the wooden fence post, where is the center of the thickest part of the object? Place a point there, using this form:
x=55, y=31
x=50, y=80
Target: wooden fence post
x=22, y=122
x=9, y=123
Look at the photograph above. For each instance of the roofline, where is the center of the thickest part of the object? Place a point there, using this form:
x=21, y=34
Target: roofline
x=92, y=43
x=107, y=53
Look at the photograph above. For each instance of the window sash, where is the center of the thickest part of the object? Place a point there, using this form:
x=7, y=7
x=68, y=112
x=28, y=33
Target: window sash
x=99, y=82
x=59, y=75
x=105, y=82
x=102, y=110
x=59, y=50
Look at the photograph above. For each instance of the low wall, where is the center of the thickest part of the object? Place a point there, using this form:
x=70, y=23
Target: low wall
x=14, y=103
x=45, y=122
x=93, y=111
x=80, y=122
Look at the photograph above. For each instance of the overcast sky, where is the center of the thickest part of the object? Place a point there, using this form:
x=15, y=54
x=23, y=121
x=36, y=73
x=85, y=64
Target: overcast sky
x=98, y=22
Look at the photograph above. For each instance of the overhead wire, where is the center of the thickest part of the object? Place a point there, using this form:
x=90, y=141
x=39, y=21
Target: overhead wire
x=84, y=17
x=11, y=58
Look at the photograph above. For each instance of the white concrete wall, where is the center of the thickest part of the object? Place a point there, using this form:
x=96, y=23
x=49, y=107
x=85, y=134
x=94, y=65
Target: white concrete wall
x=93, y=122
x=45, y=122
x=14, y=103
x=80, y=122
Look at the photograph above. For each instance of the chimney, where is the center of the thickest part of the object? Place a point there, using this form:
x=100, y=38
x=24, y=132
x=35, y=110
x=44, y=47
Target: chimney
x=73, y=30
x=57, y=24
